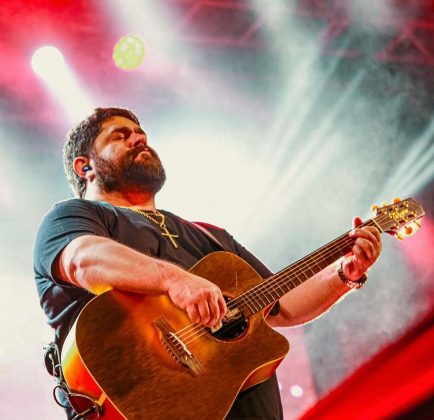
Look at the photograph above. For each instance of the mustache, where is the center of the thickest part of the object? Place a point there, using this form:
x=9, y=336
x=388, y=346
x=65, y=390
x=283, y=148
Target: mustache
x=132, y=154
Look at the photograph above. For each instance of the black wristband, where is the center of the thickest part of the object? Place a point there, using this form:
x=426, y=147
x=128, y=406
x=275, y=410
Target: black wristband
x=352, y=284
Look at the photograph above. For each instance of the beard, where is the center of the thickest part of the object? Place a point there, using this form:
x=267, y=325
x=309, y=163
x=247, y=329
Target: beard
x=130, y=174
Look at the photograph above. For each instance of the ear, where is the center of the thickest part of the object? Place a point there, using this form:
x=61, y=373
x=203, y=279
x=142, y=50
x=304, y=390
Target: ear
x=79, y=167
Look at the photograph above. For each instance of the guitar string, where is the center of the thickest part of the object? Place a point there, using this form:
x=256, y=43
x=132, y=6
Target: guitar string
x=301, y=265
x=275, y=280
x=202, y=330
x=197, y=330
x=306, y=262
x=284, y=274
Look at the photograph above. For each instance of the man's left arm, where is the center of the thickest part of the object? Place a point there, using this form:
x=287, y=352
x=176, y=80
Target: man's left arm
x=316, y=295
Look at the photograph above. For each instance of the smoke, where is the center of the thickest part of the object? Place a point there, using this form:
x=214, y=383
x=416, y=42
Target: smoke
x=381, y=16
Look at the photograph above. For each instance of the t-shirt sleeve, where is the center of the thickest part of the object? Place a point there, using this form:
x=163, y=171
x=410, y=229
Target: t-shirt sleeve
x=65, y=221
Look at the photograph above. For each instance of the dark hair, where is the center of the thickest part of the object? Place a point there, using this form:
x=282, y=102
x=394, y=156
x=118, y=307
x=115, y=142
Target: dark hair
x=80, y=141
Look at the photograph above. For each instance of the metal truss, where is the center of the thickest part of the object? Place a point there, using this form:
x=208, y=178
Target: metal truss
x=237, y=24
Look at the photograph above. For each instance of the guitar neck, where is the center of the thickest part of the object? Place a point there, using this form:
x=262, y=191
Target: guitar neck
x=279, y=284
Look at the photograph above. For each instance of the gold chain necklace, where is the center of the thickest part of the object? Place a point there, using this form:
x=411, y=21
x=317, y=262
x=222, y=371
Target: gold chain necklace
x=161, y=223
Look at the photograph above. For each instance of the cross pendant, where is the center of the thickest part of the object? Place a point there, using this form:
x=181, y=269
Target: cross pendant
x=170, y=236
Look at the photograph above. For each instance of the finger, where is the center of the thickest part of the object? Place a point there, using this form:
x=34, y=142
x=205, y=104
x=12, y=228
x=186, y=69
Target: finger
x=357, y=221
x=367, y=248
x=376, y=235
x=193, y=313
x=214, y=311
x=371, y=229
x=364, y=233
x=372, y=235
x=375, y=232
x=204, y=312
x=222, y=306
x=359, y=258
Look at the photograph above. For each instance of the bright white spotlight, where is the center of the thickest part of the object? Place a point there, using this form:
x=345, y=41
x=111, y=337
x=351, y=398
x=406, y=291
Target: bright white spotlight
x=47, y=61
x=296, y=391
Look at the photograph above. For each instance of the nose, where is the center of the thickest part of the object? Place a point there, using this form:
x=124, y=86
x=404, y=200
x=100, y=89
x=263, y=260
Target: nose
x=139, y=139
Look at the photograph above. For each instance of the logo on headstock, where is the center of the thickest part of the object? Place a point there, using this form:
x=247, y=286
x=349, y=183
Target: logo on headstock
x=399, y=216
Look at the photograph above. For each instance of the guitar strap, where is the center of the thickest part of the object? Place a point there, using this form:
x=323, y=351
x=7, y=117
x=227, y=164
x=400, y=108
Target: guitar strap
x=207, y=233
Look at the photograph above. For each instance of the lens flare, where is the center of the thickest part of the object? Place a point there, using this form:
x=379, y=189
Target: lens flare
x=129, y=52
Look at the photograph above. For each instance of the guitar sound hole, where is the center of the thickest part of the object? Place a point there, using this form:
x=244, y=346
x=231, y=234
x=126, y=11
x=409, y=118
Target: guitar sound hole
x=231, y=329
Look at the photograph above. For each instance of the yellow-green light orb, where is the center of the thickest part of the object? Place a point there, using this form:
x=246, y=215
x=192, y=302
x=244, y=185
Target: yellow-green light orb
x=129, y=52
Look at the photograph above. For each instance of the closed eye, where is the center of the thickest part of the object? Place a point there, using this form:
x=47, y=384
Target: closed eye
x=121, y=133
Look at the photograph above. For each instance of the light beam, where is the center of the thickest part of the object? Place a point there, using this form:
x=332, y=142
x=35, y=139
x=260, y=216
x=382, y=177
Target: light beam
x=48, y=63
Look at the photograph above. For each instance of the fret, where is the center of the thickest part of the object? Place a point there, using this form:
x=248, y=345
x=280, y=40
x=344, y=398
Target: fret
x=248, y=301
x=280, y=286
x=246, y=309
x=277, y=285
x=271, y=300
x=274, y=294
x=259, y=298
x=390, y=219
x=309, y=271
x=255, y=304
x=252, y=310
x=299, y=281
x=303, y=279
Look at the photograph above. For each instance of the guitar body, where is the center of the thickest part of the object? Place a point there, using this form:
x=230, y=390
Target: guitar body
x=119, y=359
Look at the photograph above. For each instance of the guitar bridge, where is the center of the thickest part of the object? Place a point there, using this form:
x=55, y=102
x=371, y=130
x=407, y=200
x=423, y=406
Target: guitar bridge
x=177, y=348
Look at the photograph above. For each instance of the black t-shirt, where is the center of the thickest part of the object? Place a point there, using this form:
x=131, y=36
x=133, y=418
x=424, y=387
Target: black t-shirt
x=62, y=301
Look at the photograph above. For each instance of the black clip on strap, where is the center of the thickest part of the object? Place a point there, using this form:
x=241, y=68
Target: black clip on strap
x=82, y=404
x=52, y=359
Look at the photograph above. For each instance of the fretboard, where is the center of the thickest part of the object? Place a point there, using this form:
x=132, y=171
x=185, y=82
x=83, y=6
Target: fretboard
x=277, y=285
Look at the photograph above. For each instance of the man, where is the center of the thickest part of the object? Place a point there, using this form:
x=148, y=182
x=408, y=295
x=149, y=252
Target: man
x=113, y=237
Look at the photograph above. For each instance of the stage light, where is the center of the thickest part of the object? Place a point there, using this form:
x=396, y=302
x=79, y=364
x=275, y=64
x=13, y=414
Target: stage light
x=47, y=61
x=296, y=391
x=129, y=52
x=49, y=64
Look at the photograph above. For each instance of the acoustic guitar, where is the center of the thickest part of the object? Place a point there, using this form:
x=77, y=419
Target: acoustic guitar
x=140, y=357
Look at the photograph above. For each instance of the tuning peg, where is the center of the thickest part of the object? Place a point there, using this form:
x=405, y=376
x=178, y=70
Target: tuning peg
x=385, y=203
x=396, y=200
x=374, y=208
x=399, y=236
x=408, y=230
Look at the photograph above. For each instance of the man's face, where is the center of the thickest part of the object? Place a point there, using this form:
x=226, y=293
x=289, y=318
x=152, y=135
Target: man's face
x=123, y=161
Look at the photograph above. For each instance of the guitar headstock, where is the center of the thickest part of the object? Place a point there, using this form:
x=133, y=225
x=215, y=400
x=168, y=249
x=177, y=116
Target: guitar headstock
x=401, y=218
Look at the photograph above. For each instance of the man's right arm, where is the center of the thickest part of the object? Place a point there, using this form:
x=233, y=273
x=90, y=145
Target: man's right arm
x=98, y=264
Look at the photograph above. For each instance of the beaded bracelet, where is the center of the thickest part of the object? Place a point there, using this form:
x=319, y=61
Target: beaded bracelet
x=352, y=284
